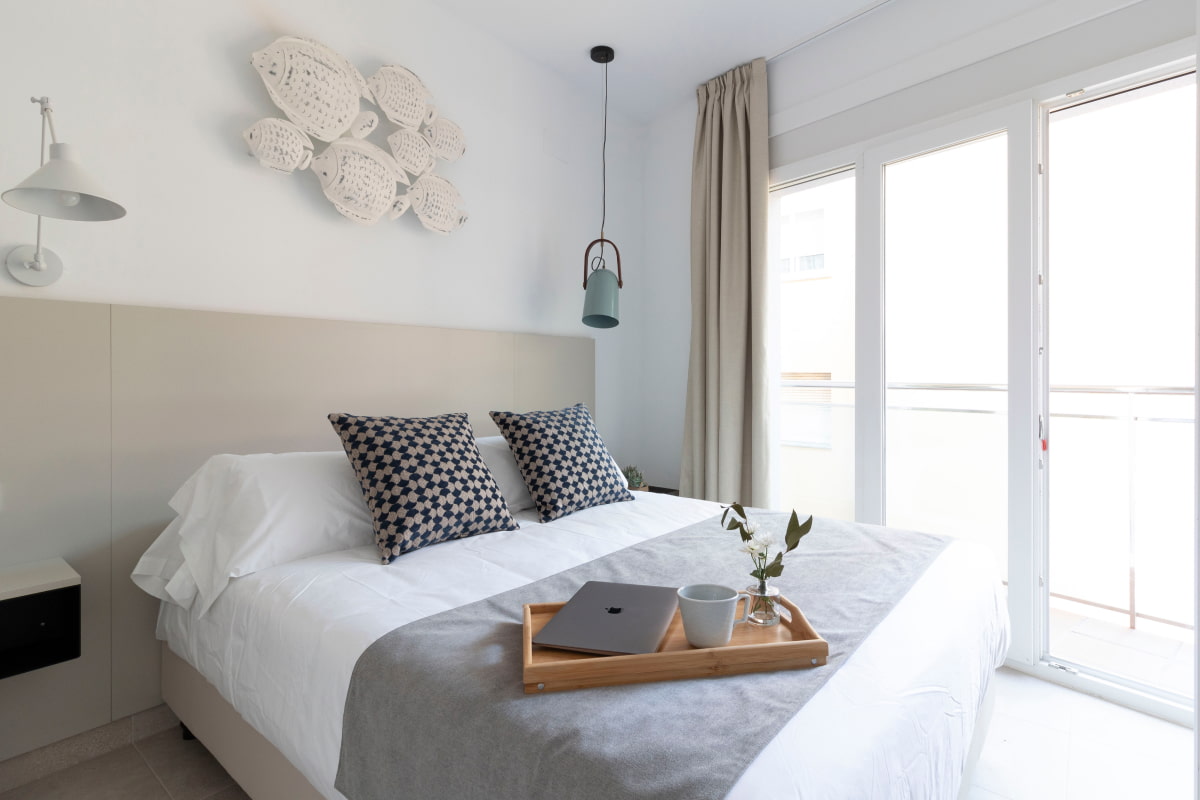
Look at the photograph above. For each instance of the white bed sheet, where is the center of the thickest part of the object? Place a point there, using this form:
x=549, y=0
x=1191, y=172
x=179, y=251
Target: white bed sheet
x=895, y=721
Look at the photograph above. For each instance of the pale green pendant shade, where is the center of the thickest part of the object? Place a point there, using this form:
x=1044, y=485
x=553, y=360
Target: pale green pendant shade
x=601, y=302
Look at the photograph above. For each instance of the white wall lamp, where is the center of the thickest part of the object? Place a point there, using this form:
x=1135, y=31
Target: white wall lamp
x=61, y=189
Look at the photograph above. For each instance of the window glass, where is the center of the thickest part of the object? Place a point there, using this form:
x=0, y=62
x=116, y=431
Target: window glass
x=812, y=248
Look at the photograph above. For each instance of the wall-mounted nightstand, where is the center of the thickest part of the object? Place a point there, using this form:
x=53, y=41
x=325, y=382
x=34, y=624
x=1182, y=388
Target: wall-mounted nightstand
x=39, y=615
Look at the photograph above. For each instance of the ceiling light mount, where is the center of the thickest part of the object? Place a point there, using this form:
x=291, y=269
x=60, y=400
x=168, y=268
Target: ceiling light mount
x=602, y=54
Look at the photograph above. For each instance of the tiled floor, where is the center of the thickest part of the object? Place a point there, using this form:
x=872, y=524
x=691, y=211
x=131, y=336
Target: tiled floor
x=161, y=767
x=1051, y=743
x=1045, y=743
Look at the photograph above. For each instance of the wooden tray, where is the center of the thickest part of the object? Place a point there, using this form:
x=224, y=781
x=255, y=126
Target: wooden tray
x=792, y=644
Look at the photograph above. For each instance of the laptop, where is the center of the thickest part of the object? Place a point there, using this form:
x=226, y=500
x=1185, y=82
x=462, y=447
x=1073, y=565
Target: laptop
x=612, y=619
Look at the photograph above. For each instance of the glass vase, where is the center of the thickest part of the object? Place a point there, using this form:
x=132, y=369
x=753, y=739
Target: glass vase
x=764, y=604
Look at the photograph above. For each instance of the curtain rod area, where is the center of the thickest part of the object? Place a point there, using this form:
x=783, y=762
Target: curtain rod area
x=828, y=29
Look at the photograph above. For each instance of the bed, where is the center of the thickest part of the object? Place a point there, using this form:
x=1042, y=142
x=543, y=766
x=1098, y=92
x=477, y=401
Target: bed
x=261, y=671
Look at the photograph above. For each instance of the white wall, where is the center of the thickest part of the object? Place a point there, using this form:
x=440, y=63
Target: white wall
x=668, y=317
x=155, y=96
x=902, y=66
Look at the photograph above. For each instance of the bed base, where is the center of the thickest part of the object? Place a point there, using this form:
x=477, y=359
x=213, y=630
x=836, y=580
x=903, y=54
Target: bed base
x=261, y=770
x=265, y=774
x=983, y=721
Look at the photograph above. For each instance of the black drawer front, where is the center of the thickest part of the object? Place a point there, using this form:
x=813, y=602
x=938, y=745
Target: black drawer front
x=38, y=630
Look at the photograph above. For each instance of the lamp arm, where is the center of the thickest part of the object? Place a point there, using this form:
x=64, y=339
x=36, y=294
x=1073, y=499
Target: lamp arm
x=586, y=253
x=47, y=119
x=39, y=263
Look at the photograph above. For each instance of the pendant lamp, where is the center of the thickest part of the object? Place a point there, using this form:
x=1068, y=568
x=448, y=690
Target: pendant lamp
x=601, y=304
x=62, y=189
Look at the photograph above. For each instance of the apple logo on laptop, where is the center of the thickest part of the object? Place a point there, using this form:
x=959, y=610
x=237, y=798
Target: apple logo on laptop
x=613, y=610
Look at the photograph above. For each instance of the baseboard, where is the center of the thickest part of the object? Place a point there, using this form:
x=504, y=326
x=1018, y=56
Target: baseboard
x=39, y=763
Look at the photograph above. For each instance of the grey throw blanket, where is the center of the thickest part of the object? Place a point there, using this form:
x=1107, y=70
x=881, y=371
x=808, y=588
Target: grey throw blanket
x=437, y=709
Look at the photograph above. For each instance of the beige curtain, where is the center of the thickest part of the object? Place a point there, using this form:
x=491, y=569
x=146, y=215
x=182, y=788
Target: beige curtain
x=725, y=443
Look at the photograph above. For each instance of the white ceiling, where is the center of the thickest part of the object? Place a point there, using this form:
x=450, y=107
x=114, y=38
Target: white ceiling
x=664, y=48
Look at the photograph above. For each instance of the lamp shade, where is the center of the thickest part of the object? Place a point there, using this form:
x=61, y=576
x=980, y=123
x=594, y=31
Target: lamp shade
x=64, y=190
x=601, y=302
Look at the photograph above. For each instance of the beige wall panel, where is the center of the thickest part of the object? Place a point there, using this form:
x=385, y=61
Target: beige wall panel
x=554, y=372
x=188, y=384
x=54, y=500
x=93, y=445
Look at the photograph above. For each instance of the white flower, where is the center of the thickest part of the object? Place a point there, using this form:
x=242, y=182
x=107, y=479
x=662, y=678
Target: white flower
x=759, y=542
x=764, y=540
x=752, y=547
x=751, y=528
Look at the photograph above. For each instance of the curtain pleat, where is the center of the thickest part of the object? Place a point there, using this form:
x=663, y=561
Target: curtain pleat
x=725, y=444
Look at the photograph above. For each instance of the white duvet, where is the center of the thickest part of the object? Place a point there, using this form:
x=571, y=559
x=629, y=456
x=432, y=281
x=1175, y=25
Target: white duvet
x=894, y=721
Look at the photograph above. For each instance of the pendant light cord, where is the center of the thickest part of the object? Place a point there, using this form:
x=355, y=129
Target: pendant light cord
x=604, y=168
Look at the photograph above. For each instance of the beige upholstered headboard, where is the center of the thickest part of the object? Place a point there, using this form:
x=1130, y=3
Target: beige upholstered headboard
x=106, y=409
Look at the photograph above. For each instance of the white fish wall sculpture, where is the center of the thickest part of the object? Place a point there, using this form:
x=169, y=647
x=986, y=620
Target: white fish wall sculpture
x=437, y=204
x=364, y=124
x=446, y=139
x=412, y=151
x=278, y=145
x=320, y=92
x=402, y=96
x=360, y=180
x=347, y=65
x=316, y=88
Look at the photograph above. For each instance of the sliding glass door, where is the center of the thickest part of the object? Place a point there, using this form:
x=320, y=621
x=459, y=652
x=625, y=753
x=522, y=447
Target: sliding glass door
x=946, y=324
x=1120, y=320
x=945, y=268
x=1022, y=370
x=905, y=324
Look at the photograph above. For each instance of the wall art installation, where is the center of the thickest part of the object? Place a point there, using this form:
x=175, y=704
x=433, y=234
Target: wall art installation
x=321, y=93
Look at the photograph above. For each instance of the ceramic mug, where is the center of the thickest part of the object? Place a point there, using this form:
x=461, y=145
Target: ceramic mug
x=708, y=613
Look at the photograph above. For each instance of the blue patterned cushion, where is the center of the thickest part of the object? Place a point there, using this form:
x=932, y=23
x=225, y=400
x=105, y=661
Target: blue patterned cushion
x=423, y=480
x=564, y=462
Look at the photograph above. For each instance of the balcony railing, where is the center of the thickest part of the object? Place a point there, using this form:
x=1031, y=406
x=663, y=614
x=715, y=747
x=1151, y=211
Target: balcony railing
x=1129, y=417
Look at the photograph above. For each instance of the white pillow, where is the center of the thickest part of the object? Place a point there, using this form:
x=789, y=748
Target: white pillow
x=499, y=459
x=240, y=514
x=162, y=571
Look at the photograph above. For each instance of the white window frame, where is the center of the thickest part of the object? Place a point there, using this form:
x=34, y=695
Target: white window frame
x=1021, y=116
x=1017, y=121
x=1115, y=688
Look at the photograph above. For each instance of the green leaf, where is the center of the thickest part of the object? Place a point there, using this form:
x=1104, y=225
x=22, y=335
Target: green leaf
x=775, y=568
x=796, y=531
x=735, y=525
x=740, y=511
